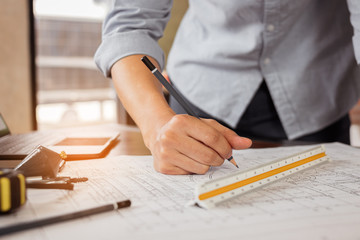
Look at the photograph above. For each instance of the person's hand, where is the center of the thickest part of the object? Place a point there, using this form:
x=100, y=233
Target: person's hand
x=180, y=144
x=185, y=145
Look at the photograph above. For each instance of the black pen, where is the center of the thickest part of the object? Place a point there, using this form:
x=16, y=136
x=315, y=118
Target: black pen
x=61, y=218
x=175, y=94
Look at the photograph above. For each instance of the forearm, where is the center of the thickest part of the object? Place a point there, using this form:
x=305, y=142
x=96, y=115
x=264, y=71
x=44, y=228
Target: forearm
x=180, y=144
x=141, y=94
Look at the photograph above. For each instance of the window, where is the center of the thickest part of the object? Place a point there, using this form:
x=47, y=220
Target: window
x=71, y=91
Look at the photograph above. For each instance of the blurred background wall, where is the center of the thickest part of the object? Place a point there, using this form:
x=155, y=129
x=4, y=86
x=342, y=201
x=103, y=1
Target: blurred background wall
x=17, y=99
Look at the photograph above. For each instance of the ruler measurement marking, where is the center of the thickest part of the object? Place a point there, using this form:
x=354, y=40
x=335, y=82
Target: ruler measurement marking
x=265, y=167
x=262, y=176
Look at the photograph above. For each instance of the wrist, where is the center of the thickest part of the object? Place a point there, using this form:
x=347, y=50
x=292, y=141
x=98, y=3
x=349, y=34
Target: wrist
x=151, y=126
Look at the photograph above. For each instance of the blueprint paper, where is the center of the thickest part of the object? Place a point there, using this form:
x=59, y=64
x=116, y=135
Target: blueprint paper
x=319, y=203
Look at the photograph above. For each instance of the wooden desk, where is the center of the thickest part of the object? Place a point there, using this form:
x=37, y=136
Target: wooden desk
x=130, y=141
x=318, y=204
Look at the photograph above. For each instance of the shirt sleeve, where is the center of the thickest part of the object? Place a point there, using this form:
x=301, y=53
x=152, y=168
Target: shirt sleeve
x=132, y=27
x=354, y=8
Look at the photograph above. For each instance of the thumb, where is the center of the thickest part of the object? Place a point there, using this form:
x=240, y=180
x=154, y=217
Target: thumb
x=237, y=142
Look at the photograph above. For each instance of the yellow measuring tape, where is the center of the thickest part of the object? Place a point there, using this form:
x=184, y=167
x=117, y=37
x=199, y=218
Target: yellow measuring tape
x=12, y=190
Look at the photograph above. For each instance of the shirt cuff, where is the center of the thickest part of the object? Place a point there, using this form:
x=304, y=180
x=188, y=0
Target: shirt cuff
x=356, y=44
x=118, y=46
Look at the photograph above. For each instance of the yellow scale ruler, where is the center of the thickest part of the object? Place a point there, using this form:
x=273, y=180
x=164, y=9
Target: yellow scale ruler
x=213, y=192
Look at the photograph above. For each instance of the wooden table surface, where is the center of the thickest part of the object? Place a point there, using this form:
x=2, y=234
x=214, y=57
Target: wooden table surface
x=130, y=141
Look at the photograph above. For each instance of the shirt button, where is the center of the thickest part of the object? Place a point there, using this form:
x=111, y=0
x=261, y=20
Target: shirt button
x=267, y=61
x=270, y=27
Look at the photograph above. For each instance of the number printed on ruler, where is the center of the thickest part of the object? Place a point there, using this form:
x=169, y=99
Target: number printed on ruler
x=210, y=193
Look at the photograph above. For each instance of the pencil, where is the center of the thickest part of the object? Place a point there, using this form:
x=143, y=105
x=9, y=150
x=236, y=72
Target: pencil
x=61, y=218
x=67, y=186
x=175, y=94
